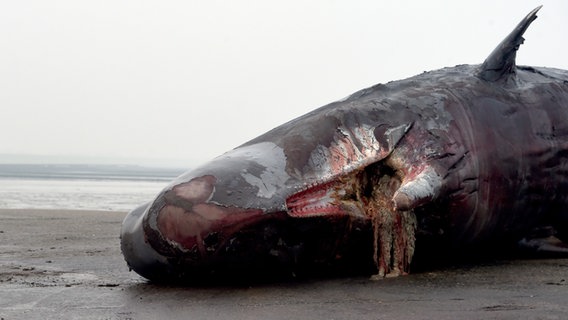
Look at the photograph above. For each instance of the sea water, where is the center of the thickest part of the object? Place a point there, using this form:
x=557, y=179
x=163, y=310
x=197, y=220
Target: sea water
x=81, y=187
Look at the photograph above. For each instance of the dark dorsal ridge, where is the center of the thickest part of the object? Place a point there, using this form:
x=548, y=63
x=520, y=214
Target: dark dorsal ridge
x=501, y=62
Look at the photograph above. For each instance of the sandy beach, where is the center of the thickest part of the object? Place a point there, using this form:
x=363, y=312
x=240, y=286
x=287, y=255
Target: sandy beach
x=67, y=265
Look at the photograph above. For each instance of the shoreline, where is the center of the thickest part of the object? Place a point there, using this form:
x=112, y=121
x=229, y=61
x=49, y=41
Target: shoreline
x=67, y=264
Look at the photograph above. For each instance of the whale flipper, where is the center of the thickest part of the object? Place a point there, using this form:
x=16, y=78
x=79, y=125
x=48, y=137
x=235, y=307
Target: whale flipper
x=418, y=190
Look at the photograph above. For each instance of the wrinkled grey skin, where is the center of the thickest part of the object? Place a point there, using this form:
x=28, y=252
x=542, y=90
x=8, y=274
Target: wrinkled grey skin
x=467, y=156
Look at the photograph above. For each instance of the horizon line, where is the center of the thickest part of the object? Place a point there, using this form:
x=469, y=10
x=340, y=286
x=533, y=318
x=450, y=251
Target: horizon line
x=14, y=158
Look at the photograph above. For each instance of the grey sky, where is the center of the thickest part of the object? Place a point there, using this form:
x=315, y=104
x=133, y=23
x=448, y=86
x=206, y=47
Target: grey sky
x=188, y=80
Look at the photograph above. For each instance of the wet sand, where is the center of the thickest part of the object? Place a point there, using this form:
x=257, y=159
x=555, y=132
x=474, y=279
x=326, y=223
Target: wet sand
x=67, y=265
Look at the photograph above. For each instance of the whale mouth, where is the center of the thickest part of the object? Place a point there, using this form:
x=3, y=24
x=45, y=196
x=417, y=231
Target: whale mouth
x=319, y=200
x=338, y=197
x=352, y=194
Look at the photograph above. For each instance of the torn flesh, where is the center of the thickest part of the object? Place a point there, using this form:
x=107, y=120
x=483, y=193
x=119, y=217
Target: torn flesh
x=367, y=194
x=393, y=230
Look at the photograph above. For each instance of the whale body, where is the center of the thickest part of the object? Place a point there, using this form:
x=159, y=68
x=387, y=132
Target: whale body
x=471, y=156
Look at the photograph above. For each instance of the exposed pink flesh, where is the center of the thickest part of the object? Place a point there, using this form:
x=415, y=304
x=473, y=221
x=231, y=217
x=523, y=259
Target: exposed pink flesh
x=316, y=201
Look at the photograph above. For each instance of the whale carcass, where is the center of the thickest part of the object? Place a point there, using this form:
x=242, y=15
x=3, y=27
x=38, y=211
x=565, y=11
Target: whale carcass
x=465, y=157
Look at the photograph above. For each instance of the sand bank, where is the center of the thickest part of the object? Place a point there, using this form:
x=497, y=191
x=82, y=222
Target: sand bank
x=67, y=265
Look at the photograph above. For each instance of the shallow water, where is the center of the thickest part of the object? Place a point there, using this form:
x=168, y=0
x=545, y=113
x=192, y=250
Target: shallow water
x=97, y=189
x=112, y=195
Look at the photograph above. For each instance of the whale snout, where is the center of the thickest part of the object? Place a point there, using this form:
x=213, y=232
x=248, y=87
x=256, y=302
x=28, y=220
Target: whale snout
x=137, y=251
x=185, y=223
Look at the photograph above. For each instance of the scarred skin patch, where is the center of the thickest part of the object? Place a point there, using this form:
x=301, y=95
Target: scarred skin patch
x=187, y=217
x=197, y=190
x=181, y=226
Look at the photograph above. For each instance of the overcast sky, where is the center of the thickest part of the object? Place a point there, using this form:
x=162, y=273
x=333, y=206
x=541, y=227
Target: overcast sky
x=184, y=81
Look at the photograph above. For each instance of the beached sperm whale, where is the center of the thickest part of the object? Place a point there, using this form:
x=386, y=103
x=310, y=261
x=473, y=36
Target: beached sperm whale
x=462, y=158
